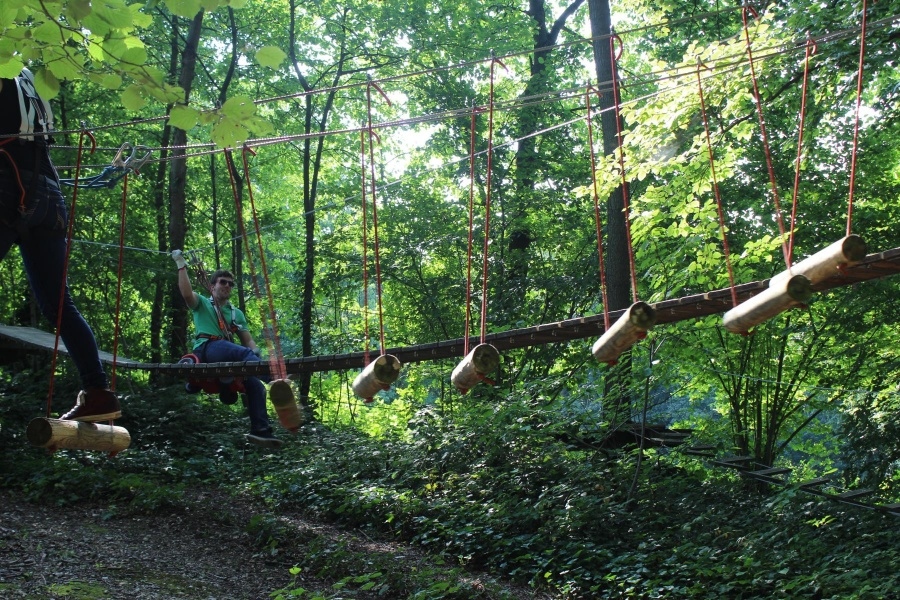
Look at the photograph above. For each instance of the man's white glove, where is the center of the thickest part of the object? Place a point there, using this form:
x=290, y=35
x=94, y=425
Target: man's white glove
x=178, y=257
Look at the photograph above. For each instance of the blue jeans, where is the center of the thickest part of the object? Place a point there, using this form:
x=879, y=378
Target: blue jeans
x=224, y=351
x=43, y=250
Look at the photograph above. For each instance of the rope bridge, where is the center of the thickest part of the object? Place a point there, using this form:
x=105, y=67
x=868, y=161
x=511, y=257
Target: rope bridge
x=874, y=266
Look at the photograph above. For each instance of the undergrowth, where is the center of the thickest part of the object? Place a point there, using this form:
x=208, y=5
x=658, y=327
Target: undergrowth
x=491, y=491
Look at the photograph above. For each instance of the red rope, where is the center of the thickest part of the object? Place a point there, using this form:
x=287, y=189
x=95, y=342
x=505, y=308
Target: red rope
x=276, y=356
x=487, y=203
x=62, y=290
x=859, y=78
x=615, y=84
x=471, y=231
x=810, y=50
x=765, y=136
x=365, y=245
x=378, y=290
x=598, y=221
x=276, y=362
x=718, y=195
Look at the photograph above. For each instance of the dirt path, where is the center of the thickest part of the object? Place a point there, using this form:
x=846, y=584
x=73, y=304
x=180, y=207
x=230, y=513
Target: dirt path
x=203, y=552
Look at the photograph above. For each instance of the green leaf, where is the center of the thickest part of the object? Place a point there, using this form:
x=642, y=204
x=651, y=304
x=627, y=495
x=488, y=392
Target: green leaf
x=48, y=33
x=132, y=99
x=239, y=107
x=183, y=117
x=229, y=133
x=76, y=10
x=134, y=55
x=12, y=68
x=270, y=56
x=184, y=8
x=47, y=84
x=7, y=14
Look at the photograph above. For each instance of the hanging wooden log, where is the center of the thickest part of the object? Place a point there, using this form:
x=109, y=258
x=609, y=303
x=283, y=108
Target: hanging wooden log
x=378, y=375
x=483, y=359
x=286, y=406
x=77, y=435
x=787, y=293
x=826, y=262
x=632, y=326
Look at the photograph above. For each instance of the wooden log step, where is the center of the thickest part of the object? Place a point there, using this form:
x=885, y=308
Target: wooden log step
x=665, y=441
x=891, y=509
x=854, y=493
x=734, y=462
x=707, y=451
x=814, y=482
x=770, y=472
x=76, y=435
x=729, y=460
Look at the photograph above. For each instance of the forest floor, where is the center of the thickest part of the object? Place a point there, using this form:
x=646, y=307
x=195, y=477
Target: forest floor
x=201, y=551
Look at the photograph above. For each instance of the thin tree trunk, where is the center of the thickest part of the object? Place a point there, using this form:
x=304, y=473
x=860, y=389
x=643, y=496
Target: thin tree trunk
x=177, y=181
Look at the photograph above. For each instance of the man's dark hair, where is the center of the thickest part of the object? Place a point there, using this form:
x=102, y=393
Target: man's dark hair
x=220, y=273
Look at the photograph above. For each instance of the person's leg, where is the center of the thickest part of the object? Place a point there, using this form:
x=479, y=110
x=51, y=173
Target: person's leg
x=43, y=255
x=256, y=407
x=225, y=351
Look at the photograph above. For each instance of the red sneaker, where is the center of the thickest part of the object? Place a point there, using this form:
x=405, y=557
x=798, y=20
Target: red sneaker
x=94, y=405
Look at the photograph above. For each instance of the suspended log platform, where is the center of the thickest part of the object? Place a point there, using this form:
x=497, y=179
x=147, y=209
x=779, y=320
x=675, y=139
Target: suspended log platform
x=873, y=266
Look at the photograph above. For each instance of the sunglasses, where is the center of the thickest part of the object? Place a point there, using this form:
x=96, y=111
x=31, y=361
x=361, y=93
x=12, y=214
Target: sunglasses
x=226, y=282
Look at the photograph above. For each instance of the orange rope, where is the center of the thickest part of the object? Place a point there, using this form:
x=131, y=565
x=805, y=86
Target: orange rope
x=598, y=221
x=276, y=356
x=62, y=290
x=859, y=78
x=487, y=203
x=378, y=290
x=471, y=231
x=615, y=88
x=276, y=361
x=718, y=195
x=765, y=136
x=365, y=245
x=810, y=50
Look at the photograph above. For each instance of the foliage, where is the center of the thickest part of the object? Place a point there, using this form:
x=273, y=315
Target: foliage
x=487, y=480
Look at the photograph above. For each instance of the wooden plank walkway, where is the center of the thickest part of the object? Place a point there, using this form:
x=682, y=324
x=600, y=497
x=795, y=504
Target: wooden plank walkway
x=29, y=338
x=874, y=266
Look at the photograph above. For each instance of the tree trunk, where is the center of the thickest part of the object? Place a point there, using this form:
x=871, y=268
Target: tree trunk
x=177, y=181
x=618, y=265
x=312, y=164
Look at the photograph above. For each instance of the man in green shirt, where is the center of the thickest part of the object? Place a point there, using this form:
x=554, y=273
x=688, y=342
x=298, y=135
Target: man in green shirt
x=221, y=335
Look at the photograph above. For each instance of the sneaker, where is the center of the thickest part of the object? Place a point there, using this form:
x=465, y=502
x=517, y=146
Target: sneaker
x=281, y=393
x=94, y=405
x=192, y=388
x=264, y=439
